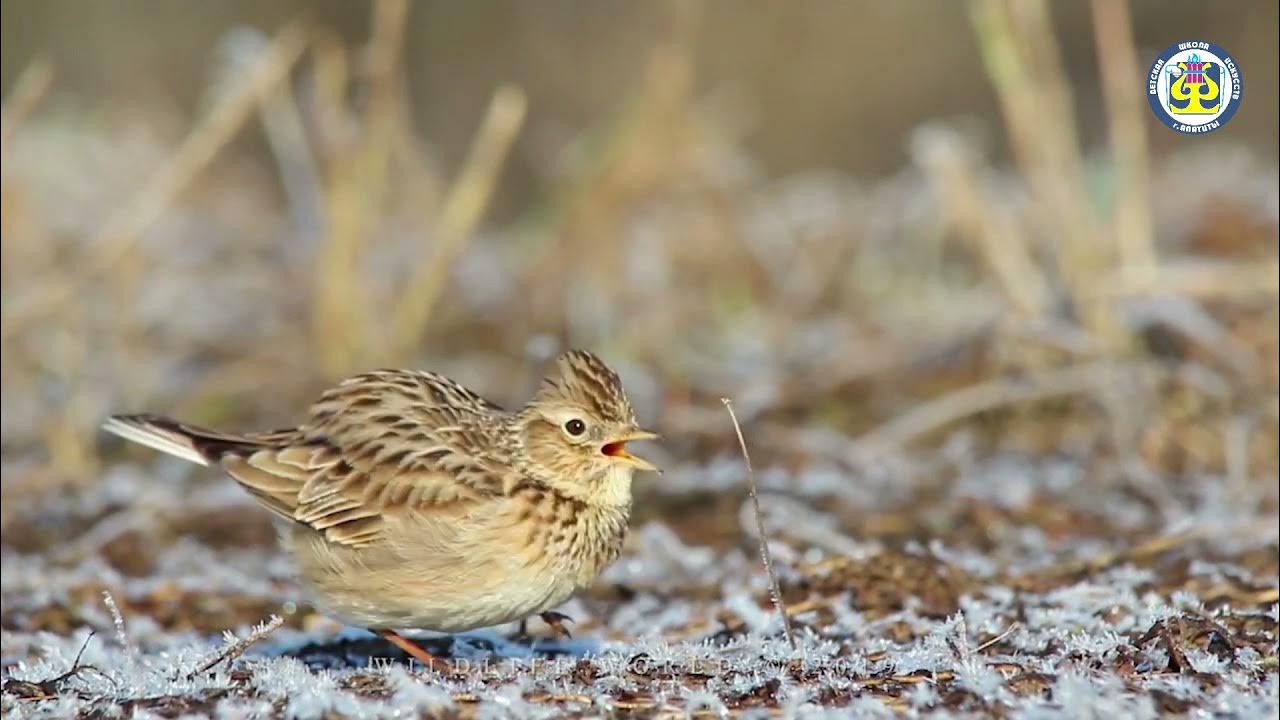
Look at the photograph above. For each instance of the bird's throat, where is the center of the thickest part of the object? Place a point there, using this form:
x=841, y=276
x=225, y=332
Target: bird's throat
x=613, y=489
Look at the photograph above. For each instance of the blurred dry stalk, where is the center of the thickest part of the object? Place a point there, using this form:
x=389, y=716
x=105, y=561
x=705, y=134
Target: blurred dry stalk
x=1131, y=226
x=29, y=89
x=122, y=230
x=462, y=211
x=69, y=440
x=358, y=174
x=988, y=225
x=999, y=392
x=1099, y=264
x=833, y=309
x=611, y=172
x=349, y=329
x=1241, y=280
x=1022, y=57
x=1095, y=259
x=1058, y=248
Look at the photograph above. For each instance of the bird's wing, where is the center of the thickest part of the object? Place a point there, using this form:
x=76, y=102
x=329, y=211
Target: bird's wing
x=378, y=447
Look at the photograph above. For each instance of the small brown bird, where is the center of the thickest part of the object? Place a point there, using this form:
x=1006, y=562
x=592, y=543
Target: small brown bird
x=412, y=502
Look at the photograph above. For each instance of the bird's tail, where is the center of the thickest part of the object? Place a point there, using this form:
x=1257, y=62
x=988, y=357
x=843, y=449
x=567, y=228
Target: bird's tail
x=189, y=442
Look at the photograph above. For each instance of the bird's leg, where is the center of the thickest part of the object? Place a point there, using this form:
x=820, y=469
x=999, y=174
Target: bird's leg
x=415, y=651
x=522, y=631
x=556, y=621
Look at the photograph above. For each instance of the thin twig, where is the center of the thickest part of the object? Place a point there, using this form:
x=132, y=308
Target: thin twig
x=117, y=619
x=83, y=646
x=775, y=590
x=960, y=645
x=1013, y=627
x=45, y=689
x=233, y=650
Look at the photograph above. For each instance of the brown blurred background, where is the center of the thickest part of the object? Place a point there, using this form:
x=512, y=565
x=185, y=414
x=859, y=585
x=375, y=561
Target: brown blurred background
x=826, y=83
x=836, y=212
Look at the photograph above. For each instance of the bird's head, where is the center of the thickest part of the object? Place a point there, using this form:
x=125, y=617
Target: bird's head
x=575, y=430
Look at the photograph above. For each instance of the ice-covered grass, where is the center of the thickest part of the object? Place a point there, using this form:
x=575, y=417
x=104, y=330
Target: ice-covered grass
x=679, y=626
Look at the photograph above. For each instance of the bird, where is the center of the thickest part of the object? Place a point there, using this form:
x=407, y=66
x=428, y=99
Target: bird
x=408, y=501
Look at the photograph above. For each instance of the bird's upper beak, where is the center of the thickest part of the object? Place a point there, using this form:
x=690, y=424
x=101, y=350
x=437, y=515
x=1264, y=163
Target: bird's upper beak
x=617, y=449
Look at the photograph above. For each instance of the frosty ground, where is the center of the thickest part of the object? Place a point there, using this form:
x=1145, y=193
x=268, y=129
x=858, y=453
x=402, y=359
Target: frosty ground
x=1034, y=599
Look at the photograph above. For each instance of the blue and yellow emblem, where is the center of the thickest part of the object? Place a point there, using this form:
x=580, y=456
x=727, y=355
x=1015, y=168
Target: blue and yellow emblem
x=1194, y=87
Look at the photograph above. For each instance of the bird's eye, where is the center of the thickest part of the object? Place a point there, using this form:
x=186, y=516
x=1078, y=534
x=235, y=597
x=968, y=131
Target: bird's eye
x=575, y=427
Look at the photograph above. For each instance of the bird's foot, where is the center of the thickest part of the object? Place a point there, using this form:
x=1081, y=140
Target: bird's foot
x=414, y=650
x=556, y=621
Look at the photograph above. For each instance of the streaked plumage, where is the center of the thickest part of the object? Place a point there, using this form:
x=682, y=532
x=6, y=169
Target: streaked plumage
x=412, y=502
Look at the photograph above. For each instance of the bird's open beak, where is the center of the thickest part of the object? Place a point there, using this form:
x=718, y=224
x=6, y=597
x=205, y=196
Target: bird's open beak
x=617, y=449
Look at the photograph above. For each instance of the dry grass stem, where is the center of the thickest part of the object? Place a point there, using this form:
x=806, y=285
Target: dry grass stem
x=1013, y=627
x=983, y=221
x=775, y=590
x=121, y=231
x=117, y=620
x=52, y=687
x=1148, y=549
x=991, y=394
x=287, y=137
x=960, y=644
x=1131, y=226
x=28, y=90
x=358, y=184
x=235, y=649
x=1022, y=57
x=1236, y=449
x=463, y=208
x=1220, y=280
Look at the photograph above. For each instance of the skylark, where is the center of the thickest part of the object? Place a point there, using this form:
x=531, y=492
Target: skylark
x=412, y=502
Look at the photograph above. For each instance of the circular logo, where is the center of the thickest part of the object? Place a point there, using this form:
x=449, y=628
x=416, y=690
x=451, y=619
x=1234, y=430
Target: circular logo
x=1194, y=87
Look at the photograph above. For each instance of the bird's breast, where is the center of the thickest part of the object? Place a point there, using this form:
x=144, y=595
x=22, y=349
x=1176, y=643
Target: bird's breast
x=567, y=538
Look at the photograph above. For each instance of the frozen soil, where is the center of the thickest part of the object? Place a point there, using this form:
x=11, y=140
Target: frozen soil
x=1017, y=587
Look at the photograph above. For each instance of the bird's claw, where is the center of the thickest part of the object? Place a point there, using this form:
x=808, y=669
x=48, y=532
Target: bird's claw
x=556, y=621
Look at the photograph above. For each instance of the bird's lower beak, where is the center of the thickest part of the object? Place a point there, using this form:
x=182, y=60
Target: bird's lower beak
x=617, y=449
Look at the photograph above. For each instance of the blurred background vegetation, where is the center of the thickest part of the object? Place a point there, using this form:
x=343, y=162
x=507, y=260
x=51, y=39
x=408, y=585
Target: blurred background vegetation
x=872, y=224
